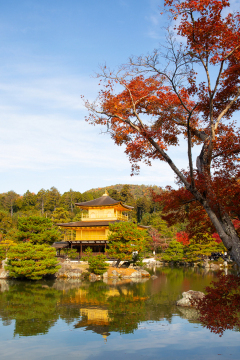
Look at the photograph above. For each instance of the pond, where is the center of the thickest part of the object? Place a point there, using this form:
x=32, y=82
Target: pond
x=109, y=320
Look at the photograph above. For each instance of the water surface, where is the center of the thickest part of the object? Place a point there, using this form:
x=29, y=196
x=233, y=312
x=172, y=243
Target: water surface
x=113, y=320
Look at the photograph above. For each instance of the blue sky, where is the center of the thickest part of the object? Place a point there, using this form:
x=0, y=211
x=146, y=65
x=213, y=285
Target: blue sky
x=50, y=50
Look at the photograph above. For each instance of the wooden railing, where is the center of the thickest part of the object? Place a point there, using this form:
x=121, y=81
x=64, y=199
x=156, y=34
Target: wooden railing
x=93, y=237
x=85, y=217
x=85, y=237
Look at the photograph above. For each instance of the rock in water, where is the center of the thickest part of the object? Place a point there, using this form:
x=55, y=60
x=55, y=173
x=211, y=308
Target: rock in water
x=188, y=296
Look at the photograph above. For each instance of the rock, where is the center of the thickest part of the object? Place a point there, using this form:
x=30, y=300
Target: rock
x=68, y=272
x=206, y=264
x=150, y=260
x=188, y=296
x=105, y=275
x=144, y=273
x=135, y=274
x=4, y=274
x=214, y=267
x=115, y=273
x=74, y=273
x=189, y=313
x=225, y=263
x=4, y=286
x=4, y=263
x=154, y=277
x=45, y=286
x=92, y=277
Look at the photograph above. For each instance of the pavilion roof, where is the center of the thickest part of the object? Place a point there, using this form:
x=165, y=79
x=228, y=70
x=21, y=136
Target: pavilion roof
x=104, y=200
x=88, y=223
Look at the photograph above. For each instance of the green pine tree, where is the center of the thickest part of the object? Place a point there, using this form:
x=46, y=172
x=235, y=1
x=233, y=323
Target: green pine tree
x=31, y=261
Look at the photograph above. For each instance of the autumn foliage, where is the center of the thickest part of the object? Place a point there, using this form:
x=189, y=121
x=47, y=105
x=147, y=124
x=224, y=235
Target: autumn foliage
x=165, y=98
x=220, y=308
x=182, y=237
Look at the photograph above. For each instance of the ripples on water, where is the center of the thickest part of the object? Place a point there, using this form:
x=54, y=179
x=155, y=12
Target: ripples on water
x=109, y=320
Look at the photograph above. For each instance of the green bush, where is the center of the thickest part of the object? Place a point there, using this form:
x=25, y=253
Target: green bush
x=97, y=263
x=31, y=261
x=174, y=252
x=198, y=252
x=71, y=253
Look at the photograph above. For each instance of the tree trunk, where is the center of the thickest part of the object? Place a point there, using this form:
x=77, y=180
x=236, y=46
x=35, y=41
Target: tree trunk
x=117, y=263
x=226, y=231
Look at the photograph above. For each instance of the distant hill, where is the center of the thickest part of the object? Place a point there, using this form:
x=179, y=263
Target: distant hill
x=137, y=191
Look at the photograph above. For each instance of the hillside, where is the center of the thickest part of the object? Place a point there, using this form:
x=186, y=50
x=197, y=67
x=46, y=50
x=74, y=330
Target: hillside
x=137, y=191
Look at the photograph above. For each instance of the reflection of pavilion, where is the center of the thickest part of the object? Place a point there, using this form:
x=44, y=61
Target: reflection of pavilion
x=95, y=316
x=106, y=309
x=96, y=320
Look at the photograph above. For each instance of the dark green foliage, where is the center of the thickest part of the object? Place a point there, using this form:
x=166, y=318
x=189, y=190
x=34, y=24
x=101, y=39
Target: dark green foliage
x=69, y=198
x=60, y=215
x=197, y=251
x=71, y=253
x=174, y=252
x=97, y=263
x=124, y=239
x=29, y=200
x=37, y=230
x=156, y=221
x=52, y=199
x=5, y=222
x=8, y=201
x=31, y=261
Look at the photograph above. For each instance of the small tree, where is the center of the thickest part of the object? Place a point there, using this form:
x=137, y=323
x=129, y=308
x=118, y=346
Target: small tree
x=197, y=251
x=124, y=239
x=31, y=261
x=157, y=240
x=97, y=263
x=71, y=253
x=174, y=252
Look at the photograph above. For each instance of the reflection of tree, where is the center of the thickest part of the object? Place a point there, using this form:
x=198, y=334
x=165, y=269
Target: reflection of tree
x=33, y=307
x=220, y=308
x=97, y=292
x=126, y=312
x=98, y=307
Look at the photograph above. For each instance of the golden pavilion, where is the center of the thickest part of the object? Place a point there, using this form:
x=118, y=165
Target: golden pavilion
x=92, y=231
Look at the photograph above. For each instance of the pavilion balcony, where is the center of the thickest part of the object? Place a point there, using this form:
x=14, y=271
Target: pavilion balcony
x=73, y=237
x=86, y=217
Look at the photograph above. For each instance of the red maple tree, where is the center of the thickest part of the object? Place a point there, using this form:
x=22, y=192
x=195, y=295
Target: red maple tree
x=164, y=100
x=157, y=240
x=182, y=237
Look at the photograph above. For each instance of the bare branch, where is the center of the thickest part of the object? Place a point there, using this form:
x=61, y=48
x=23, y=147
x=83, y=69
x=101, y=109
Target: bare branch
x=227, y=108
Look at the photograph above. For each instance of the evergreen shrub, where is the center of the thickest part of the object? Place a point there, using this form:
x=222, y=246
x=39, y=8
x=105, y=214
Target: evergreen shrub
x=97, y=263
x=31, y=261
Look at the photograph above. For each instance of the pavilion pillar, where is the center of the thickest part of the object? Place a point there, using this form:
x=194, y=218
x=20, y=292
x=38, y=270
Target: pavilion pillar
x=81, y=249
